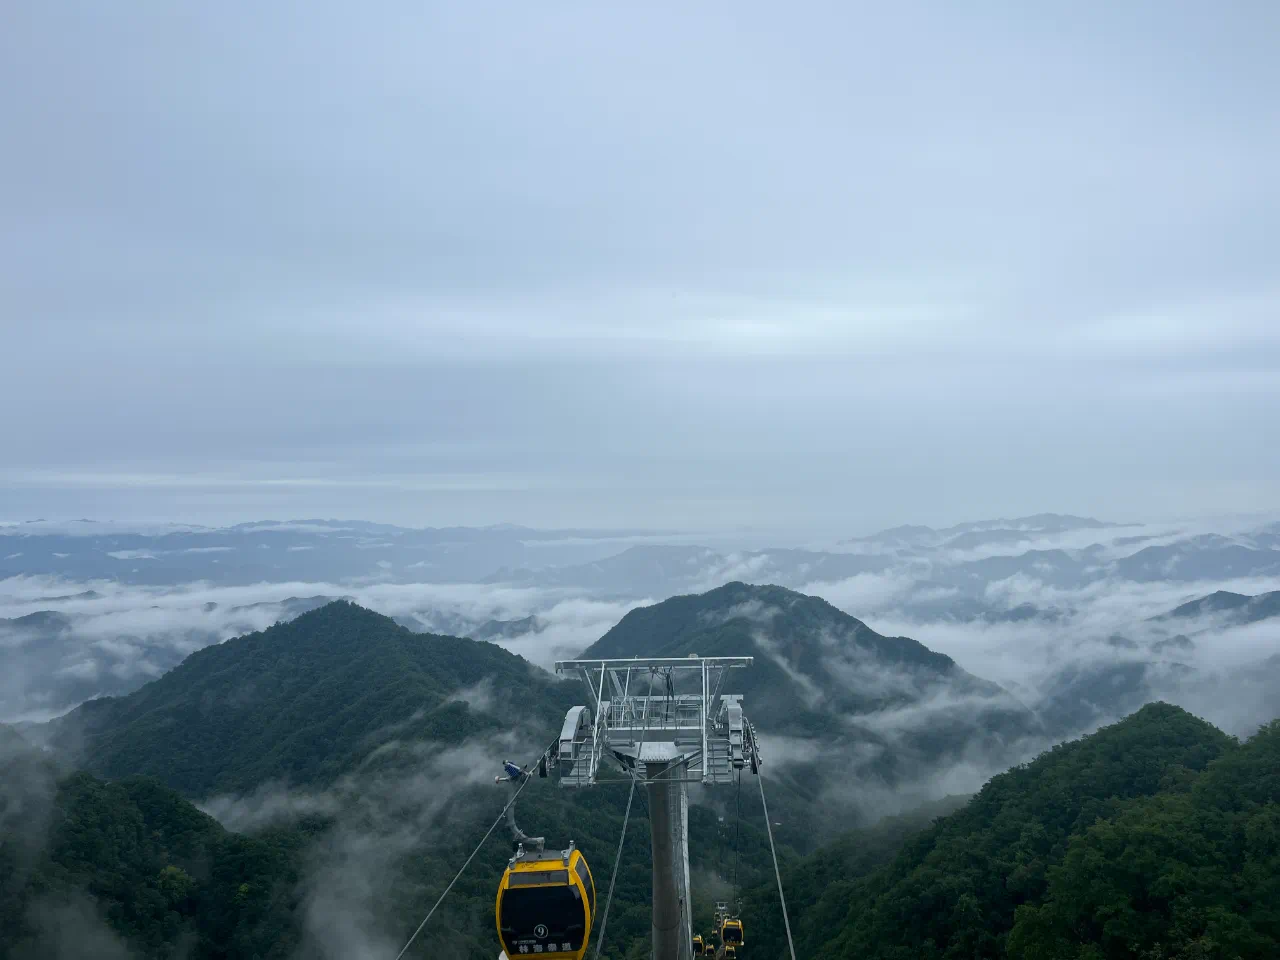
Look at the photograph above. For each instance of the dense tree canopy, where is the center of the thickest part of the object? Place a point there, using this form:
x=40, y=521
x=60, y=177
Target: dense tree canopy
x=1153, y=839
x=130, y=864
x=308, y=700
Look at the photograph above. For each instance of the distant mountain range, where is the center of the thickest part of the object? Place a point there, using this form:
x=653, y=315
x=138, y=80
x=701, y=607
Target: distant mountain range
x=1235, y=609
x=315, y=551
x=1059, y=550
x=926, y=561
x=964, y=536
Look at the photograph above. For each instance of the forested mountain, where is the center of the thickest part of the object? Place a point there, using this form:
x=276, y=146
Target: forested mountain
x=1153, y=838
x=128, y=869
x=367, y=753
x=884, y=707
x=308, y=700
x=358, y=759
x=812, y=659
x=341, y=704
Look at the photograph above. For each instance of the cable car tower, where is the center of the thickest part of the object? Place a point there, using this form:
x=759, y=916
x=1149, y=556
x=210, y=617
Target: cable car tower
x=668, y=723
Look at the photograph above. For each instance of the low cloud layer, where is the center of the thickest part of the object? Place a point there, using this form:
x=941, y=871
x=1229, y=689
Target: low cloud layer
x=360, y=872
x=1106, y=624
x=109, y=638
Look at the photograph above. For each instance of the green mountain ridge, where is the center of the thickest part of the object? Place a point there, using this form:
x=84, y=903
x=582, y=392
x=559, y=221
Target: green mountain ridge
x=1152, y=838
x=305, y=701
x=820, y=673
x=130, y=868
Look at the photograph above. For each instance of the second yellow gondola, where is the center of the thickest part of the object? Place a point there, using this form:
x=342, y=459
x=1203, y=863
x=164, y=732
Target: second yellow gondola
x=545, y=905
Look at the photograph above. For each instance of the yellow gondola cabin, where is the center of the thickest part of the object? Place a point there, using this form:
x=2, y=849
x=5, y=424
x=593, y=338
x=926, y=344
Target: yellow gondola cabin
x=731, y=933
x=545, y=905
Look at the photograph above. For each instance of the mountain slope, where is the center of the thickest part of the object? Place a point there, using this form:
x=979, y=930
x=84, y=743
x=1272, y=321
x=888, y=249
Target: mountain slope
x=953, y=890
x=834, y=701
x=97, y=869
x=727, y=615
x=813, y=662
x=1191, y=872
x=305, y=701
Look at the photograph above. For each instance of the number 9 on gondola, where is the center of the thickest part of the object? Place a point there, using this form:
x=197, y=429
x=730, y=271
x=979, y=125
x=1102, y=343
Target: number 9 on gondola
x=546, y=902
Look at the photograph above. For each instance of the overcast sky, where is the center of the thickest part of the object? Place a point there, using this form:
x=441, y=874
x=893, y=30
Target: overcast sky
x=708, y=264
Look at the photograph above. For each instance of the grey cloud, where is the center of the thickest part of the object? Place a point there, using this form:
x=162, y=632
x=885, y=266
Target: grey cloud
x=267, y=805
x=355, y=869
x=478, y=696
x=866, y=593
x=820, y=266
x=111, y=638
x=812, y=693
x=1033, y=657
x=567, y=628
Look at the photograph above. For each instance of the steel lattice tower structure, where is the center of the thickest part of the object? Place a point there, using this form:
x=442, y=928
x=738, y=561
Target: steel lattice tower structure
x=667, y=738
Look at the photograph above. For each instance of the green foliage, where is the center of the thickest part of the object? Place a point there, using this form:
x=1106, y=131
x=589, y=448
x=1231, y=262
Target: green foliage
x=148, y=867
x=818, y=887
x=816, y=669
x=1154, y=839
x=667, y=629
x=1194, y=873
x=304, y=702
